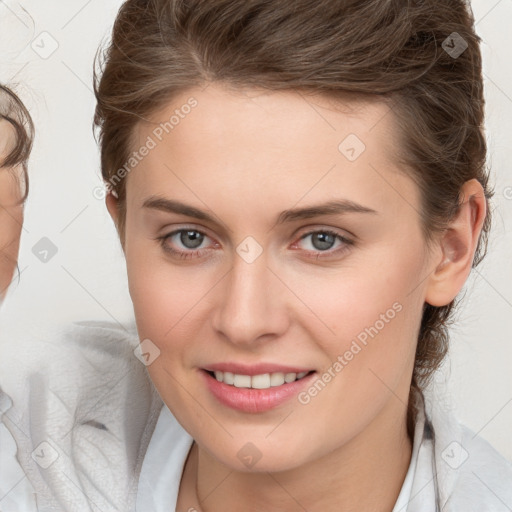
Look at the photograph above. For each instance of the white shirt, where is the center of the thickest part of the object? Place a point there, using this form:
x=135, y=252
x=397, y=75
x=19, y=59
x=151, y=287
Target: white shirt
x=163, y=465
x=170, y=444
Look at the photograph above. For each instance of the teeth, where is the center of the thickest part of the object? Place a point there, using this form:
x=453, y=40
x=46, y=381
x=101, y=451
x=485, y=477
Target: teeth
x=276, y=379
x=242, y=381
x=229, y=378
x=263, y=381
x=260, y=381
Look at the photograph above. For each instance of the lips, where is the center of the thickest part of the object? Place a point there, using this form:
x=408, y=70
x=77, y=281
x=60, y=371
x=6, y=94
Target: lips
x=256, y=369
x=254, y=400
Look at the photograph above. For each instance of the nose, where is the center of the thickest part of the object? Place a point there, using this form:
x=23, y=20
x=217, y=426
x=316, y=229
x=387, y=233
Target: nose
x=252, y=304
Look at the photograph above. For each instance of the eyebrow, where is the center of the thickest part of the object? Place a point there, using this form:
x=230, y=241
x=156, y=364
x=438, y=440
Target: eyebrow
x=334, y=207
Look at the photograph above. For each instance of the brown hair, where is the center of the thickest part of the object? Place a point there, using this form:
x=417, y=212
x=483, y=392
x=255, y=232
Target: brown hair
x=16, y=114
x=390, y=50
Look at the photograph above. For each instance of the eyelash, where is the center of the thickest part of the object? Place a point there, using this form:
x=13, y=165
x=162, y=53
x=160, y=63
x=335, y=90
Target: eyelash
x=191, y=254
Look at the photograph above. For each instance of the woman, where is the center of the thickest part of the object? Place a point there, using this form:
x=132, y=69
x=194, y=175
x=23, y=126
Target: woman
x=300, y=192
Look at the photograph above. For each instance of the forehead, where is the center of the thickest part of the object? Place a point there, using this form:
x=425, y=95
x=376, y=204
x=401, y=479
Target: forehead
x=278, y=119
x=254, y=145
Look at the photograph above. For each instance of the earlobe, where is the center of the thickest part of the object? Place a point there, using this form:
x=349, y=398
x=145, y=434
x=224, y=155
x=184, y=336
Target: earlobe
x=458, y=246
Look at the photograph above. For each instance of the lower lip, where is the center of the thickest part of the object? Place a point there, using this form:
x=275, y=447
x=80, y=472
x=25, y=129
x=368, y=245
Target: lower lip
x=254, y=400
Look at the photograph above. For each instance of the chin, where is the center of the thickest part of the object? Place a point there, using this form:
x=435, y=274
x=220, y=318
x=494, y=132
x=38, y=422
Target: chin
x=257, y=456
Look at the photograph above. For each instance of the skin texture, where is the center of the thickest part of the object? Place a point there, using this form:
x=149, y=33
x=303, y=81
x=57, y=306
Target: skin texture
x=245, y=157
x=11, y=211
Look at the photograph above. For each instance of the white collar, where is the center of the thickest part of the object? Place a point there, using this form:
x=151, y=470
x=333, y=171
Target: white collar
x=163, y=465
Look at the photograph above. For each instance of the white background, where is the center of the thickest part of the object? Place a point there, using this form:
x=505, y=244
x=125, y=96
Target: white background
x=86, y=280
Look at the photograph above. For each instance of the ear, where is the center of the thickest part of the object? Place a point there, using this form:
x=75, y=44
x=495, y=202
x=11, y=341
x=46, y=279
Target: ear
x=458, y=245
x=112, y=204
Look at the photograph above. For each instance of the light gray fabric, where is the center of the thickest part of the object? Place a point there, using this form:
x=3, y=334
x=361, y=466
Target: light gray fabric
x=94, y=407
x=471, y=476
x=16, y=493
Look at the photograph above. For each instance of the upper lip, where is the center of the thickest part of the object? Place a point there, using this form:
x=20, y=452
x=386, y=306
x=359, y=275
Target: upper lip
x=255, y=369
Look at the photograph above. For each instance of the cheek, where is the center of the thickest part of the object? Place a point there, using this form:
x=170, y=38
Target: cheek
x=165, y=297
x=371, y=354
x=162, y=300
x=11, y=220
x=371, y=313
x=7, y=267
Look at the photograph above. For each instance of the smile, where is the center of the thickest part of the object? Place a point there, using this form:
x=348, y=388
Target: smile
x=255, y=393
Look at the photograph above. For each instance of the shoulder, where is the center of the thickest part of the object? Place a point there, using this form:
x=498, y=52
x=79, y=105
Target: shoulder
x=485, y=474
x=471, y=474
x=90, y=408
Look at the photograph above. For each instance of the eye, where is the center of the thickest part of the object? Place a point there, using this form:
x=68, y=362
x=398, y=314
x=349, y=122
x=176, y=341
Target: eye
x=323, y=240
x=189, y=238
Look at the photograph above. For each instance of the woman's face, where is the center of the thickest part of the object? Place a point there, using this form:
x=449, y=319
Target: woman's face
x=11, y=210
x=253, y=278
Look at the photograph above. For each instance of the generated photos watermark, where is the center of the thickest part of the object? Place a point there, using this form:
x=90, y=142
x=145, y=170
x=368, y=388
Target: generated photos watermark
x=361, y=341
